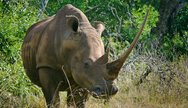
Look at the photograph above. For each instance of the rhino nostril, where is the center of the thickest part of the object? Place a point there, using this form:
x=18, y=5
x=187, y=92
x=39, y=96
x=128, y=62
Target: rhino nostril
x=114, y=90
x=97, y=90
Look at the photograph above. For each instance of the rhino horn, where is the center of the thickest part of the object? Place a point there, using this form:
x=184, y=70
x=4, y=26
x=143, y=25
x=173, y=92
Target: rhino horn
x=103, y=59
x=72, y=22
x=115, y=66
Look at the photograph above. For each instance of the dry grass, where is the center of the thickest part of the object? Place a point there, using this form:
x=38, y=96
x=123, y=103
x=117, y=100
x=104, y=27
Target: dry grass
x=166, y=86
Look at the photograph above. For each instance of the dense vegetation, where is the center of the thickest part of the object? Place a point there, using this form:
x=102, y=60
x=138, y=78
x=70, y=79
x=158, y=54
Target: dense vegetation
x=156, y=73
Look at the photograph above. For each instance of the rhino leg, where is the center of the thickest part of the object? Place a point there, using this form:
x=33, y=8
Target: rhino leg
x=49, y=80
x=77, y=98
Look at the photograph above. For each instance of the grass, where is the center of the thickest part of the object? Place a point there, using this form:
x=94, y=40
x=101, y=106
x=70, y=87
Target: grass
x=165, y=86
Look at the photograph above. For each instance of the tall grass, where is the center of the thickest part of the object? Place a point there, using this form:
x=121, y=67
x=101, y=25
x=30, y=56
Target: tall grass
x=146, y=81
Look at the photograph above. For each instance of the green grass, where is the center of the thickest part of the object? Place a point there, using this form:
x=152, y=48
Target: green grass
x=166, y=86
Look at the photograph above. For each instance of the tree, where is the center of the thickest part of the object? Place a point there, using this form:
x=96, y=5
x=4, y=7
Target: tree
x=168, y=9
x=171, y=28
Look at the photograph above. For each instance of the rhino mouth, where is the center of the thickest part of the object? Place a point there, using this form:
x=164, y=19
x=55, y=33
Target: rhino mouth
x=100, y=96
x=100, y=93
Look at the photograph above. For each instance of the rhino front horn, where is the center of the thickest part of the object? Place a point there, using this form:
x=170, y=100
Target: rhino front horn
x=115, y=66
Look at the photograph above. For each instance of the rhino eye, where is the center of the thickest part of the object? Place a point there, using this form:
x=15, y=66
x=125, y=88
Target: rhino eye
x=86, y=65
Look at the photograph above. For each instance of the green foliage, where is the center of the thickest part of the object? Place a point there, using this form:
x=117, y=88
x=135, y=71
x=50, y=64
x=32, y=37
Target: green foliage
x=174, y=46
x=181, y=20
x=14, y=80
x=139, y=15
x=16, y=17
x=54, y=5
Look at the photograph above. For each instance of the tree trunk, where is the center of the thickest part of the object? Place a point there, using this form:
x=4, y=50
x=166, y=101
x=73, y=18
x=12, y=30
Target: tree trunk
x=167, y=9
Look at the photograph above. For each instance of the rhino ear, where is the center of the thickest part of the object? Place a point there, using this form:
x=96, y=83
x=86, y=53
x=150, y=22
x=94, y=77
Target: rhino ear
x=99, y=26
x=72, y=22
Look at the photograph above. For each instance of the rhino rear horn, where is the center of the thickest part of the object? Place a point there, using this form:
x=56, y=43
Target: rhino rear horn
x=72, y=22
x=115, y=66
x=104, y=59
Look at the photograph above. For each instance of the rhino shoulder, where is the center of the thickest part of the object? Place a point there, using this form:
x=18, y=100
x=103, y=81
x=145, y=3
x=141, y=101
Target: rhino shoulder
x=40, y=24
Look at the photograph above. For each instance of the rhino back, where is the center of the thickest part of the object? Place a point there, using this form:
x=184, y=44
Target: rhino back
x=30, y=46
x=70, y=10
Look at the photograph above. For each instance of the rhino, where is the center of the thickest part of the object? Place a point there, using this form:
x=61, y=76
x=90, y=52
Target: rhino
x=65, y=52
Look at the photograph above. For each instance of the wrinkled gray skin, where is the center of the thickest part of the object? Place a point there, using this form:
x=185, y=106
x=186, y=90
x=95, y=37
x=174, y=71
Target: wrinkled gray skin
x=65, y=53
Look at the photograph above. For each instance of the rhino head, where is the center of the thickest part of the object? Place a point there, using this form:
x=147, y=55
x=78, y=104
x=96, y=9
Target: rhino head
x=90, y=66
